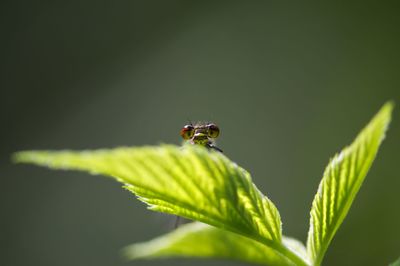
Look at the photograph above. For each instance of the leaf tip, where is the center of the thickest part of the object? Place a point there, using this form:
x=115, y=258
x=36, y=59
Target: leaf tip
x=388, y=107
x=20, y=157
x=385, y=114
x=128, y=253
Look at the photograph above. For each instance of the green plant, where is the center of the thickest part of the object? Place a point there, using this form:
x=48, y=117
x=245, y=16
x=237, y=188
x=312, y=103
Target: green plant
x=237, y=220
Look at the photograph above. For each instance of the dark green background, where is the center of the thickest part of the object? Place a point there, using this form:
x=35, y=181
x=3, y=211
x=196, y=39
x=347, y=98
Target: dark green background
x=289, y=84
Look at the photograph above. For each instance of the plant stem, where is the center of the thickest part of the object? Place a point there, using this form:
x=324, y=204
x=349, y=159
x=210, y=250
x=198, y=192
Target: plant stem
x=290, y=255
x=284, y=251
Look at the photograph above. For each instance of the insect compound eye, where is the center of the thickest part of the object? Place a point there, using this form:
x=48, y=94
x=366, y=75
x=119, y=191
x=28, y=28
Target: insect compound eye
x=187, y=132
x=213, y=131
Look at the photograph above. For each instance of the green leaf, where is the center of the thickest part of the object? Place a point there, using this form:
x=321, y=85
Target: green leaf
x=341, y=181
x=188, y=181
x=203, y=241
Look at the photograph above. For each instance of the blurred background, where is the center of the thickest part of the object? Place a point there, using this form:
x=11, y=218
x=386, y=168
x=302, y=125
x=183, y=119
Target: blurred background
x=289, y=84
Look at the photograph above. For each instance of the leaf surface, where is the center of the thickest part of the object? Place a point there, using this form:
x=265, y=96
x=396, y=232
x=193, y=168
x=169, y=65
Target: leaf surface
x=341, y=181
x=204, y=241
x=188, y=181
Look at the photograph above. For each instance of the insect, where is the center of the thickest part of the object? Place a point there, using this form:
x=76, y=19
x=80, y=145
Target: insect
x=201, y=134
